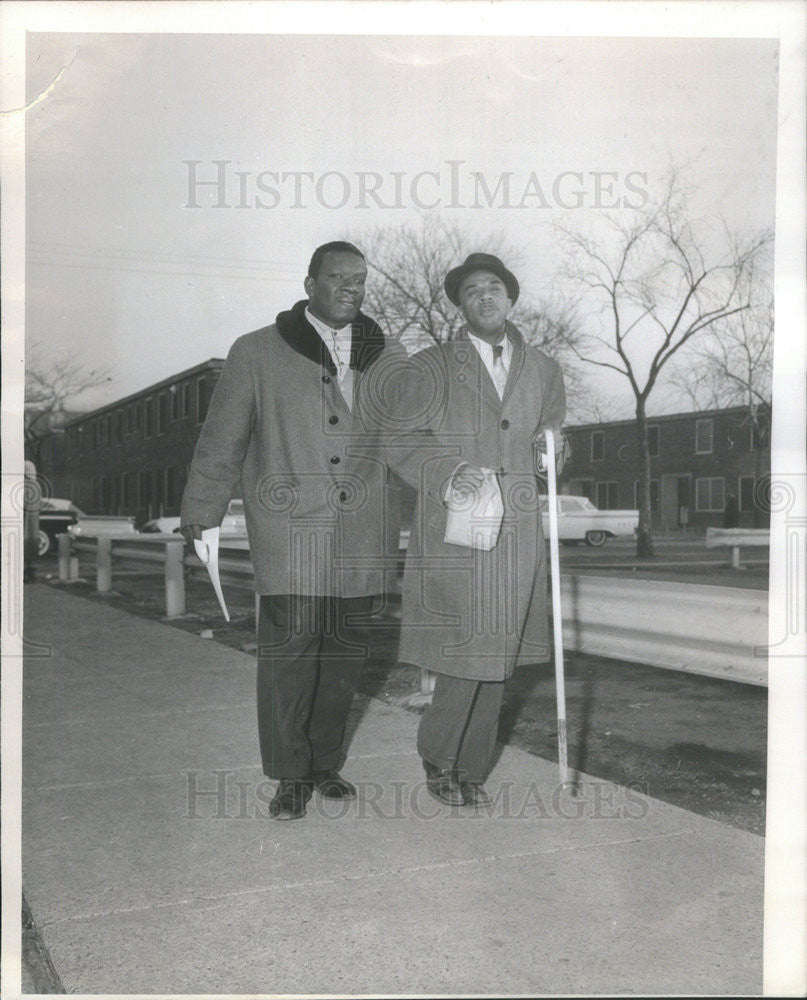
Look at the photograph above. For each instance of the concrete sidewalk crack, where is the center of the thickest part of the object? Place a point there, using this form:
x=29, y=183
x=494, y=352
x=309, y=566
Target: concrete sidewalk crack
x=213, y=900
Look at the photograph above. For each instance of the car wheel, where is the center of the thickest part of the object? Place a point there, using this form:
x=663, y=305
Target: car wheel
x=596, y=538
x=42, y=543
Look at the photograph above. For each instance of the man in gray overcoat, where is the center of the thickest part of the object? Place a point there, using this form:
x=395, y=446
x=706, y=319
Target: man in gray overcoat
x=471, y=615
x=291, y=424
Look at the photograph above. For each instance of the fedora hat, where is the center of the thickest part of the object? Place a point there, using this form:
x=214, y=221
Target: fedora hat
x=480, y=262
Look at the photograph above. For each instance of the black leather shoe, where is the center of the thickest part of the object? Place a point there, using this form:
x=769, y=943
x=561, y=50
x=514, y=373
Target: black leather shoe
x=290, y=798
x=443, y=785
x=474, y=794
x=332, y=785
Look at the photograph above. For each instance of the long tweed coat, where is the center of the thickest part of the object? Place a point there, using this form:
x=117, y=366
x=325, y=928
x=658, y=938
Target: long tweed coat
x=470, y=613
x=310, y=470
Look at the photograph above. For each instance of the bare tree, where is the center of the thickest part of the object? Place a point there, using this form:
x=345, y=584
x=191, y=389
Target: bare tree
x=733, y=366
x=51, y=385
x=660, y=279
x=408, y=265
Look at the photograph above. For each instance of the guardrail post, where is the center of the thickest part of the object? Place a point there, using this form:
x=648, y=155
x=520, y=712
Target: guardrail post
x=735, y=557
x=64, y=558
x=103, y=565
x=175, y=578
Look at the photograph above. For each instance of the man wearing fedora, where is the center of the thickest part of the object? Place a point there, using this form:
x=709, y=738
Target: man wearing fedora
x=469, y=615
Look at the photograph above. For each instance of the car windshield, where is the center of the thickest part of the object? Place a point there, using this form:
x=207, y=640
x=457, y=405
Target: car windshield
x=236, y=508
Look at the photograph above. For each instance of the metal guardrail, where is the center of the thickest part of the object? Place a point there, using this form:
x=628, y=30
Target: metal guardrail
x=735, y=538
x=715, y=631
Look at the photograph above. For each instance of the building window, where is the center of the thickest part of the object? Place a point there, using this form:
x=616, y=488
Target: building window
x=106, y=495
x=704, y=435
x=201, y=400
x=119, y=427
x=130, y=419
x=654, y=495
x=149, y=418
x=162, y=413
x=186, y=399
x=583, y=488
x=109, y=429
x=128, y=492
x=144, y=489
x=597, y=446
x=607, y=496
x=652, y=440
x=170, y=495
x=747, y=493
x=138, y=417
x=174, y=393
x=710, y=494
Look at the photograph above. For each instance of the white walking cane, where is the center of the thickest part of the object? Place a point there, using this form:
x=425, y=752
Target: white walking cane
x=557, y=618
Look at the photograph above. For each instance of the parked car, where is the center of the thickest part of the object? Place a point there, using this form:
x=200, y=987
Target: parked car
x=55, y=517
x=92, y=525
x=233, y=523
x=580, y=521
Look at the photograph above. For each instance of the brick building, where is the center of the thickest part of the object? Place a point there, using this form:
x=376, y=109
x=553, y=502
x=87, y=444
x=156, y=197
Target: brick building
x=132, y=456
x=697, y=460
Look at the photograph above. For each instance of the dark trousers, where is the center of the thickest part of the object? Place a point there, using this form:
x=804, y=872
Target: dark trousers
x=458, y=730
x=309, y=660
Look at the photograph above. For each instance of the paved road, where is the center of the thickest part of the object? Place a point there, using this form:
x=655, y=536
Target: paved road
x=680, y=558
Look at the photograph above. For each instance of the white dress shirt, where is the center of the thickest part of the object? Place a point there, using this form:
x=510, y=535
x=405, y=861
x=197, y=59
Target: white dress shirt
x=337, y=341
x=338, y=344
x=485, y=351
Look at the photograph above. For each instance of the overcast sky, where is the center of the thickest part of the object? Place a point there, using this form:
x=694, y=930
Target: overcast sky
x=133, y=265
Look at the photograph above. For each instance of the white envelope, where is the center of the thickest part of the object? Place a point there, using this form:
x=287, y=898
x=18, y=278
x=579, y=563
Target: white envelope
x=475, y=520
x=207, y=548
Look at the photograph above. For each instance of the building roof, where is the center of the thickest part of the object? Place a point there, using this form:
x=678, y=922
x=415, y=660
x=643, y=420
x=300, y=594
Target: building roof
x=213, y=364
x=664, y=418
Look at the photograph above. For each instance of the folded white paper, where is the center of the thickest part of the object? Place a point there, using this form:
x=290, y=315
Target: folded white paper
x=207, y=548
x=475, y=520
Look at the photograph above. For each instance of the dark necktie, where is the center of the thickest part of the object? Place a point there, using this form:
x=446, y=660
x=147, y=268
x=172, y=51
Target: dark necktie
x=499, y=372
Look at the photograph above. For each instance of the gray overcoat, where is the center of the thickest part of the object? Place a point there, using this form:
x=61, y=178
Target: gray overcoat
x=310, y=470
x=470, y=613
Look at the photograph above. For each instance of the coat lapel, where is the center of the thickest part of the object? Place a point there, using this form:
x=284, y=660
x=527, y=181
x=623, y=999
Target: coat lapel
x=516, y=359
x=367, y=340
x=470, y=374
x=301, y=337
x=466, y=354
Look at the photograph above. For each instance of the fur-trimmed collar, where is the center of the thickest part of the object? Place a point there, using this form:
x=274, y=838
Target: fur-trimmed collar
x=366, y=344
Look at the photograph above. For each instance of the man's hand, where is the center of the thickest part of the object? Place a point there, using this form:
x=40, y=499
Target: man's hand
x=561, y=452
x=191, y=531
x=467, y=479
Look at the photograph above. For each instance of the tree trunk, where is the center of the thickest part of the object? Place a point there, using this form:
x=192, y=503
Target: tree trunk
x=644, y=539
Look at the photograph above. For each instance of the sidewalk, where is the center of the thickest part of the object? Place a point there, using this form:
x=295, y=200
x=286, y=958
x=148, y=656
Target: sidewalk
x=150, y=865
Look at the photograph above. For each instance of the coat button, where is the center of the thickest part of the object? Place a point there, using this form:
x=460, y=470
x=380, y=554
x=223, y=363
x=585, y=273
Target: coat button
x=335, y=460
x=326, y=379
x=333, y=420
x=505, y=424
x=343, y=497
